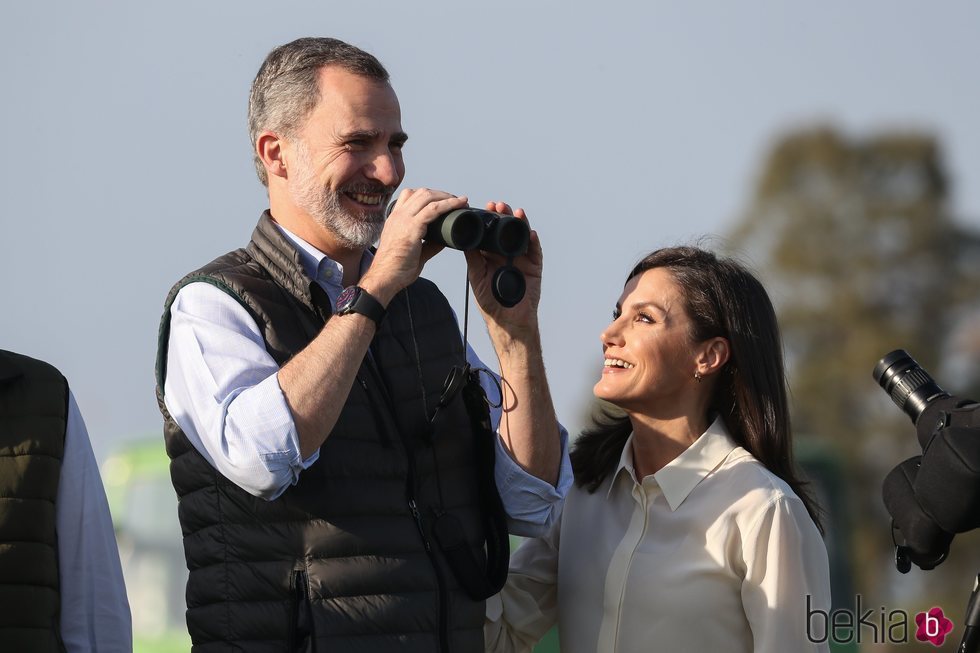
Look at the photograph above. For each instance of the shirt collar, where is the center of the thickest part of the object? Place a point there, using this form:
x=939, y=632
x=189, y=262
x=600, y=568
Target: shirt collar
x=318, y=265
x=678, y=478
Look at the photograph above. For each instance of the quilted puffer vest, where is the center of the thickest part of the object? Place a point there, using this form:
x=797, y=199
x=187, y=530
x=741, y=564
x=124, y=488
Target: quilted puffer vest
x=344, y=560
x=33, y=417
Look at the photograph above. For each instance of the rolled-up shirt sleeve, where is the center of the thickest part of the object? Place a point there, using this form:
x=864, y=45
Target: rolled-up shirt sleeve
x=532, y=504
x=527, y=606
x=223, y=391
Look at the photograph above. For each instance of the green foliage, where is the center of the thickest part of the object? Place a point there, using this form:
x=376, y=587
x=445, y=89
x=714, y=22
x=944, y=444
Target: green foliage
x=172, y=642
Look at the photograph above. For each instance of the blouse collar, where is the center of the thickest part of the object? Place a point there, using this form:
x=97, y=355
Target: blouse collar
x=678, y=478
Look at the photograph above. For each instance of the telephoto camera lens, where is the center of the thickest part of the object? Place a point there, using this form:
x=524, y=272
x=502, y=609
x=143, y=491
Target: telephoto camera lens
x=910, y=386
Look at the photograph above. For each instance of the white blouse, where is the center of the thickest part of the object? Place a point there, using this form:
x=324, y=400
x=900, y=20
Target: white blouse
x=711, y=553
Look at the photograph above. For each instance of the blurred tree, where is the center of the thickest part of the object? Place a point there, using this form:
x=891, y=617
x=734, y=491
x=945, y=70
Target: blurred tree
x=854, y=241
x=856, y=246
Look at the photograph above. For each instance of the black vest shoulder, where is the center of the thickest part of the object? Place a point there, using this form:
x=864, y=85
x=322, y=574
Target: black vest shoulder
x=340, y=555
x=33, y=418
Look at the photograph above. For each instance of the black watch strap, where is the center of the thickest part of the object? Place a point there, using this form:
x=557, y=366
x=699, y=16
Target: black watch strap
x=355, y=299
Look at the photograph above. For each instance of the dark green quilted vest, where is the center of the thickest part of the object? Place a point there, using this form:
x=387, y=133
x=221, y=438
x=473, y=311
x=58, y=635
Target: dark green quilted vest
x=33, y=416
x=340, y=561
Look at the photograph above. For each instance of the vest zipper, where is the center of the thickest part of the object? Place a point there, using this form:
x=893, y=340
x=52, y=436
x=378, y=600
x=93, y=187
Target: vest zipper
x=410, y=494
x=440, y=579
x=301, y=619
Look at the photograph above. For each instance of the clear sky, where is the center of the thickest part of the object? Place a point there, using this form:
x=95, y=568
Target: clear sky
x=619, y=126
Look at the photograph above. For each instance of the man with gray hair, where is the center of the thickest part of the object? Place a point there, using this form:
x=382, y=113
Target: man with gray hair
x=332, y=495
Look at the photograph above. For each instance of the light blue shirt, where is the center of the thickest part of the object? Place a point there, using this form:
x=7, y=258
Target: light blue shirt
x=94, y=609
x=223, y=391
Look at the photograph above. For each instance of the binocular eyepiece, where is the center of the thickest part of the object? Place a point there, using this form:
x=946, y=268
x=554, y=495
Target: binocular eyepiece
x=495, y=233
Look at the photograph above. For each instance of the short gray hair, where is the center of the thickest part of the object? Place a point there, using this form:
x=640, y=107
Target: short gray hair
x=287, y=88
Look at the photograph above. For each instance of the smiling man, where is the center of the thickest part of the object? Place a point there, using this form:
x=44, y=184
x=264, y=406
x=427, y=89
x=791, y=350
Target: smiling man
x=329, y=499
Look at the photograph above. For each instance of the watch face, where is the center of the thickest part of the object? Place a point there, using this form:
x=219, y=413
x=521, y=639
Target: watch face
x=347, y=297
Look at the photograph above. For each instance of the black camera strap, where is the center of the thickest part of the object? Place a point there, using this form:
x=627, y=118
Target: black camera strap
x=480, y=579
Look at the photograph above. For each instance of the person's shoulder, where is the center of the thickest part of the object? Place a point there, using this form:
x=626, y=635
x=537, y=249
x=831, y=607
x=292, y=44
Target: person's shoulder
x=753, y=482
x=238, y=262
x=222, y=272
x=231, y=263
x=428, y=286
x=30, y=386
x=14, y=365
x=428, y=296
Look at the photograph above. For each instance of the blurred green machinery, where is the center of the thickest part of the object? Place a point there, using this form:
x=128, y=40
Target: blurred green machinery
x=137, y=482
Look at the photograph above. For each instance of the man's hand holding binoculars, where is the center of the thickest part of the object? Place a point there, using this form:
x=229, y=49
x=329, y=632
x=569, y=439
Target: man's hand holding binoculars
x=401, y=252
x=519, y=320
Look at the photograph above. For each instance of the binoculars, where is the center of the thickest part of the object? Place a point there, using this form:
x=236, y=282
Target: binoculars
x=466, y=229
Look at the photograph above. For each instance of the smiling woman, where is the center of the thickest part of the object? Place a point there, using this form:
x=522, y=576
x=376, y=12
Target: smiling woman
x=687, y=504
x=650, y=360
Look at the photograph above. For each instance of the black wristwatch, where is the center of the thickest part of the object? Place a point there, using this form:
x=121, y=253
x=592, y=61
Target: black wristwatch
x=355, y=299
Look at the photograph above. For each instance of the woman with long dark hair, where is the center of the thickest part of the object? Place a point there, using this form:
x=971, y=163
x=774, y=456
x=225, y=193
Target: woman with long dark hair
x=688, y=528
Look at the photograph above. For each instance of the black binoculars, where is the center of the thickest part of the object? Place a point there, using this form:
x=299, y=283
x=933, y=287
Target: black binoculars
x=466, y=229
x=496, y=233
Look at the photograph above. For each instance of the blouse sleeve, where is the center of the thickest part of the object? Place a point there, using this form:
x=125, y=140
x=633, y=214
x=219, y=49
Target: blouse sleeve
x=787, y=578
x=527, y=607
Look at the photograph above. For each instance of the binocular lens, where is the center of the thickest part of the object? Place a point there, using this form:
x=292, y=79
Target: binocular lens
x=510, y=237
x=461, y=229
x=466, y=229
x=910, y=386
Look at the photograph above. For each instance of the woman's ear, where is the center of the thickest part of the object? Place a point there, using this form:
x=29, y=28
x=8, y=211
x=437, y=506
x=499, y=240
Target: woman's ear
x=712, y=355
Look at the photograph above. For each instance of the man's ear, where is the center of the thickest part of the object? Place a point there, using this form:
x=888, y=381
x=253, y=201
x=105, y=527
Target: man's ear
x=712, y=355
x=269, y=147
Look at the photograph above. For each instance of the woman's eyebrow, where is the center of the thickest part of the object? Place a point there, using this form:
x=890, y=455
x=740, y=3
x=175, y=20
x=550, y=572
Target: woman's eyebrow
x=650, y=304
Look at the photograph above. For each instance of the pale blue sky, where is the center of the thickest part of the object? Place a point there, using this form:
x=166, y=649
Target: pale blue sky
x=619, y=126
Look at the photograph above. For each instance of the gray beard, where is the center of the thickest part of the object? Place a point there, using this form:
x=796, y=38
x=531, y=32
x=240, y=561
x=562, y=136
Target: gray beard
x=354, y=231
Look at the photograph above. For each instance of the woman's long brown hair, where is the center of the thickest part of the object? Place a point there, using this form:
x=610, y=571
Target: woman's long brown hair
x=723, y=300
